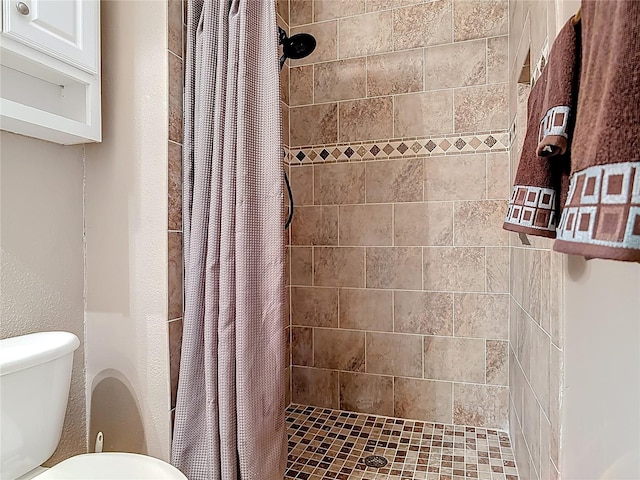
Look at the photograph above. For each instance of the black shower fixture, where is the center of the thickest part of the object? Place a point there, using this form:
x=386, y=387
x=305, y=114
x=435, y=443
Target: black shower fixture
x=298, y=46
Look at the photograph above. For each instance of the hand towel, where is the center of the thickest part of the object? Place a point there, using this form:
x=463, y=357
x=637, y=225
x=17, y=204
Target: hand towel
x=561, y=94
x=601, y=218
x=541, y=181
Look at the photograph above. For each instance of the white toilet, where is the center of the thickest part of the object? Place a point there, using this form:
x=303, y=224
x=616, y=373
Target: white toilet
x=35, y=375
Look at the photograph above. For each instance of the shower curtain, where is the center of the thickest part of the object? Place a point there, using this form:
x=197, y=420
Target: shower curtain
x=229, y=417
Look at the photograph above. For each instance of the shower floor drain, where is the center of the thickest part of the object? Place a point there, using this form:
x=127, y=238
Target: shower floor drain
x=376, y=461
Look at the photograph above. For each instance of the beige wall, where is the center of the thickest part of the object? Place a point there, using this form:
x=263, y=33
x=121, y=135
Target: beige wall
x=41, y=256
x=126, y=211
x=399, y=267
x=601, y=398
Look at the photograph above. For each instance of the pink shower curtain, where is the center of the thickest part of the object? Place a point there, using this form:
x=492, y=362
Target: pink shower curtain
x=229, y=418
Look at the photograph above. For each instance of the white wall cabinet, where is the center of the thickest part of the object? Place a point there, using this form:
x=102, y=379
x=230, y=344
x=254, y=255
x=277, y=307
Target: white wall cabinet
x=50, y=69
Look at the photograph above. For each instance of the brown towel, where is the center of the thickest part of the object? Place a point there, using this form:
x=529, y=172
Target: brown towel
x=561, y=94
x=541, y=181
x=602, y=213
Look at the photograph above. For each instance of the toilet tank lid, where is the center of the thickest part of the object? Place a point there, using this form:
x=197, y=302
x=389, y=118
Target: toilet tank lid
x=18, y=353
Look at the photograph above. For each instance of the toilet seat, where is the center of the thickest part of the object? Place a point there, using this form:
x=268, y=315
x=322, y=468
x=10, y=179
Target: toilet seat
x=112, y=466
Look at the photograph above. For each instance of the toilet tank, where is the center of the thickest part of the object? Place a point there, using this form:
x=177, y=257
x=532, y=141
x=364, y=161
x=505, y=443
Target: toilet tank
x=35, y=376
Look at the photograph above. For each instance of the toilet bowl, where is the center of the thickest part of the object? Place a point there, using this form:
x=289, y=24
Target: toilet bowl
x=35, y=375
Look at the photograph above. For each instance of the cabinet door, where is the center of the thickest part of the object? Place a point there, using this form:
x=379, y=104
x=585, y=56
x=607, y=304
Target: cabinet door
x=65, y=29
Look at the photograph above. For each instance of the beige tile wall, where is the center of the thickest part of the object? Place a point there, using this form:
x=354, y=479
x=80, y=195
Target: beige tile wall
x=175, y=45
x=283, y=21
x=536, y=283
x=388, y=69
x=399, y=267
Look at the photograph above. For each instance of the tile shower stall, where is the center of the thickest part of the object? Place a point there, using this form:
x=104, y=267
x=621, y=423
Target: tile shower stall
x=407, y=338
x=396, y=130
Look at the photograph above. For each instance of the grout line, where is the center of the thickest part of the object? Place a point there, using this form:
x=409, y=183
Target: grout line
x=398, y=334
x=486, y=61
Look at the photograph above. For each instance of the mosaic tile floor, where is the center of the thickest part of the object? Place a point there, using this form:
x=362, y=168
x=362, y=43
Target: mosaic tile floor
x=328, y=444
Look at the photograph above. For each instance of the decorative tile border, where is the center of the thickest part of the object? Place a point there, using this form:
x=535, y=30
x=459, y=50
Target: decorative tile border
x=330, y=444
x=399, y=148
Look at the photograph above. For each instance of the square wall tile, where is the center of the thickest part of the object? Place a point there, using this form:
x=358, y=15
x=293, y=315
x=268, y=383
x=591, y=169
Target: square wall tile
x=394, y=267
x=455, y=65
x=394, y=73
x=479, y=223
x=315, y=386
x=481, y=405
x=365, y=119
x=366, y=225
x=454, y=359
x=426, y=313
x=338, y=266
x=422, y=25
x=314, y=307
x=394, y=181
x=423, y=224
x=481, y=108
x=365, y=34
x=338, y=349
x=366, y=309
x=339, y=183
x=480, y=18
x=394, y=354
x=456, y=177
x=482, y=315
x=423, y=114
x=339, y=80
x=315, y=225
x=459, y=269
x=423, y=400
x=360, y=392
x=313, y=124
